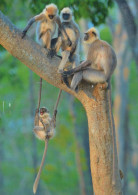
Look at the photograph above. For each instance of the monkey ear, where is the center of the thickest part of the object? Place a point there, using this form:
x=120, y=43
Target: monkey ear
x=94, y=33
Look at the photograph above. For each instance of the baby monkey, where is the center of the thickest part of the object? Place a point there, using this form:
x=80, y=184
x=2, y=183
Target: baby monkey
x=44, y=130
x=69, y=52
x=46, y=27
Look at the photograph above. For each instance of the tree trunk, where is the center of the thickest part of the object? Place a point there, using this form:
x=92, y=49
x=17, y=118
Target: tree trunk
x=130, y=26
x=100, y=139
x=98, y=112
x=121, y=90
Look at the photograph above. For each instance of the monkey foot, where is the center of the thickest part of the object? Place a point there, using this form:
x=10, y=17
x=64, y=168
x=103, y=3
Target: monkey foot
x=103, y=85
x=60, y=71
x=23, y=34
x=51, y=53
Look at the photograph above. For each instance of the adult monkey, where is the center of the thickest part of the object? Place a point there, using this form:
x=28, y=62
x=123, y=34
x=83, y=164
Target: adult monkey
x=98, y=68
x=46, y=28
x=69, y=52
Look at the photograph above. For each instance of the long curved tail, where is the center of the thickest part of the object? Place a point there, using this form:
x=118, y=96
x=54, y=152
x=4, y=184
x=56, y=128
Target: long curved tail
x=41, y=166
x=113, y=135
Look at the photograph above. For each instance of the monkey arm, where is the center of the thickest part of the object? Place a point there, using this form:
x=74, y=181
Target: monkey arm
x=77, y=31
x=58, y=44
x=41, y=120
x=39, y=17
x=63, y=31
x=47, y=39
x=30, y=22
x=79, y=68
x=38, y=128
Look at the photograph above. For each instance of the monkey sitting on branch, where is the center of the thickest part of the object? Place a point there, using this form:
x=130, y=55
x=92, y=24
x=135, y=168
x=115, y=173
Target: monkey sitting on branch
x=98, y=68
x=69, y=52
x=100, y=64
x=46, y=27
x=44, y=130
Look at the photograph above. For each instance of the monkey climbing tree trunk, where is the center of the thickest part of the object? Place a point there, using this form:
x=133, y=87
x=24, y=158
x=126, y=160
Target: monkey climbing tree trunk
x=99, y=120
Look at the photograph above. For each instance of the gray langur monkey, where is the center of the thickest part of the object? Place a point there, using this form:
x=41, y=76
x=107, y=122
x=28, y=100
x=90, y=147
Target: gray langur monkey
x=98, y=68
x=46, y=27
x=69, y=52
x=100, y=64
x=44, y=129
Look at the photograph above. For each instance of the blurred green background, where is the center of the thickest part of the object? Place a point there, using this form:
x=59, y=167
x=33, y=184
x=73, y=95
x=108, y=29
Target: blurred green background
x=67, y=170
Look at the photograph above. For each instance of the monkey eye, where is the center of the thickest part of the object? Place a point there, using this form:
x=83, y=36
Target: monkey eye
x=94, y=33
x=51, y=16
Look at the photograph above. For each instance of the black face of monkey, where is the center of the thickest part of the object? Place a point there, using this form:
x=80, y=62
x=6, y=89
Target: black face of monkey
x=86, y=36
x=66, y=16
x=90, y=35
x=51, y=16
x=43, y=110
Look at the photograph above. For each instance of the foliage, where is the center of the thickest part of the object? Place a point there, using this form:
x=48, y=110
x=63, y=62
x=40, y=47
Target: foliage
x=95, y=10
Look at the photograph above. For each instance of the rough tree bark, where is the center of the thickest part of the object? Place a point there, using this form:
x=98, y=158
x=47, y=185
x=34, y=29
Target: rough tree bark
x=99, y=121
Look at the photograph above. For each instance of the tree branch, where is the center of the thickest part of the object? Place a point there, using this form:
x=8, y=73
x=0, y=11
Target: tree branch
x=98, y=112
x=35, y=57
x=31, y=54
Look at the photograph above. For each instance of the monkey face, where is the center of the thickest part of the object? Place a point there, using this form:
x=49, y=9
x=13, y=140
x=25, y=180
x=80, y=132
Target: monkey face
x=91, y=35
x=51, y=11
x=43, y=110
x=86, y=36
x=51, y=17
x=66, y=14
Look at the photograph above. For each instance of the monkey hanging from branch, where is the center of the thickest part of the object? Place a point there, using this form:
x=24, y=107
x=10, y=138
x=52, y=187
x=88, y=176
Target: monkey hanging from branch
x=44, y=129
x=69, y=52
x=98, y=68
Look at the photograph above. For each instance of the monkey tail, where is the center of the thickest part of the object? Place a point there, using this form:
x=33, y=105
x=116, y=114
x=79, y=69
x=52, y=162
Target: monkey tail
x=41, y=166
x=113, y=133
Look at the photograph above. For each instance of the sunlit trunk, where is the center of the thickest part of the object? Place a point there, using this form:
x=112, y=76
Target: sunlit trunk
x=101, y=146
